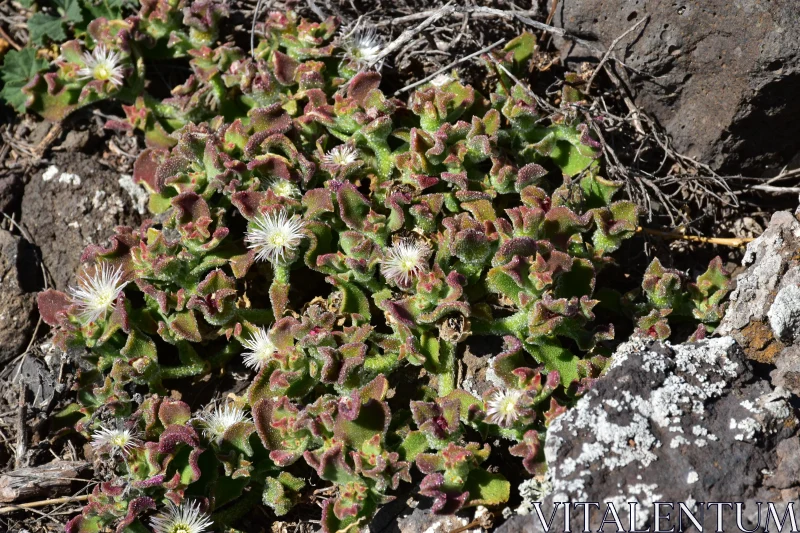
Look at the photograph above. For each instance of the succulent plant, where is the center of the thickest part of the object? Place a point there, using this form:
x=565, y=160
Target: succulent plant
x=344, y=246
x=669, y=296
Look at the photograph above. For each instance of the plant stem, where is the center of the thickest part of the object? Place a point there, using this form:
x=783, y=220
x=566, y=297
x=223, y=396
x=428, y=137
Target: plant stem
x=446, y=378
x=282, y=273
x=279, y=290
x=510, y=325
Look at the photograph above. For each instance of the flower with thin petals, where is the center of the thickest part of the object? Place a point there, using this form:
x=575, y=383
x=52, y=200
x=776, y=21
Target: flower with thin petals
x=503, y=407
x=119, y=440
x=284, y=188
x=273, y=235
x=217, y=422
x=340, y=156
x=260, y=349
x=102, y=65
x=441, y=79
x=363, y=47
x=183, y=518
x=405, y=260
x=96, y=295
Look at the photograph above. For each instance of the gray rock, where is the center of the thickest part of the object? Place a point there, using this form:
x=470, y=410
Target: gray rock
x=717, y=74
x=764, y=313
x=423, y=520
x=20, y=278
x=70, y=204
x=687, y=423
x=771, y=269
x=784, y=314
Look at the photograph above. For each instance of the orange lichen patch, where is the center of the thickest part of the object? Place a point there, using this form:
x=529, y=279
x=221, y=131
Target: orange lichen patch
x=759, y=344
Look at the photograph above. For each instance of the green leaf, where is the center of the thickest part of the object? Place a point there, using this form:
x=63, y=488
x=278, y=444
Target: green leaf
x=41, y=26
x=18, y=69
x=282, y=493
x=413, y=444
x=570, y=159
x=67, y=417
x=70, y=10
x=110, y=9
x=487, y=489
x=226, y=489
x=522, y=47
x=354, y=300
x=598, y=191
x=556, y=357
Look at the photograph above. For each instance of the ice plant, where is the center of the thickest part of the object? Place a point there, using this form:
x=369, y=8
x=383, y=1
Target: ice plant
x=259, y=349
x=405, y=260
x=102, y=64
x=96, y=293
x=340, y=156
x=184, y=518
x=118, y=440
x=503, y=407
x=363, y=47
x=491, y=217
x=273, y=235
x=216, y=422
x=284, y=188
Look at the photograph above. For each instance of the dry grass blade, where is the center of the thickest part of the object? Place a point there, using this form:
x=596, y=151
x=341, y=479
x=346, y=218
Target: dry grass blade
x=721, y=241
x=43, y=503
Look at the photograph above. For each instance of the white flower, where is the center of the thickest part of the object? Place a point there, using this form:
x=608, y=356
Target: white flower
x=441, y=79
x=184, y=518
x=102, y=65
x=220, y=419
x=119, y=440
x=284, y=188
x=259, y=349
x=273, y=235
x=95, y=295
x=363, y=47
x=405, y=260
x=341, y=155
x=503, y=408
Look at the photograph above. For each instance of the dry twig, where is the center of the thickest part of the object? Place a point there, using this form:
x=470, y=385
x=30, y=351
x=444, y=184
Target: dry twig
x=722, y=241
x=43, y=503
x=449, y=66
x=610, y=50
x=409, y=33
x=9, y=40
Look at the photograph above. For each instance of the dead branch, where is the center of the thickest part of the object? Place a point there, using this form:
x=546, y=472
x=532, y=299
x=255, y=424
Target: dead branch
x=22, y=430
x=773, y=189
x=44, y=480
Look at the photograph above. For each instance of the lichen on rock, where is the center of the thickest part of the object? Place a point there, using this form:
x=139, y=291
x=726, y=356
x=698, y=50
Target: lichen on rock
x=646, y=431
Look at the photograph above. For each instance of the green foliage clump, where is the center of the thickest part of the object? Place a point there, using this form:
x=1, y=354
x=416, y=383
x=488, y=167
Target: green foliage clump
x=346, y=246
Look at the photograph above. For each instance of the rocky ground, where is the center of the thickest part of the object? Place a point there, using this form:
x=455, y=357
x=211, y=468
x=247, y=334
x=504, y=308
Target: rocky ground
x=696, y=102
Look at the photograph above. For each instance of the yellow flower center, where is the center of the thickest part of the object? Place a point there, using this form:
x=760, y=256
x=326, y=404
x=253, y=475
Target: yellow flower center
x=102, y=73
x=278, y=239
